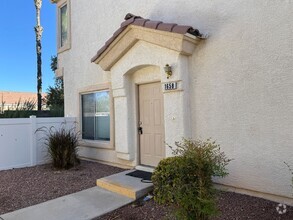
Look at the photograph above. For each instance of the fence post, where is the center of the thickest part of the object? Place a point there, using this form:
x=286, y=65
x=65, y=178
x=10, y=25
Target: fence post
x=33, y=137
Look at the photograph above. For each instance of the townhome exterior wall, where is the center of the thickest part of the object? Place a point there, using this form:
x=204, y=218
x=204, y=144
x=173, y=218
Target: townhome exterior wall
x=240, y=79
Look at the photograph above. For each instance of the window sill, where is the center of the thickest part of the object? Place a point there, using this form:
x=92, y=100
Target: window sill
x=64, y=48
x=96, y=144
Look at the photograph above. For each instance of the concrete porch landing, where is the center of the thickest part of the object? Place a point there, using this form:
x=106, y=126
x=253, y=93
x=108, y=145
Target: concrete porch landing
x=122, y=184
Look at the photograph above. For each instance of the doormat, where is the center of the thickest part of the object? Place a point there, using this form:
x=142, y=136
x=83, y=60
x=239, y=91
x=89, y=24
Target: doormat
x=141, y=174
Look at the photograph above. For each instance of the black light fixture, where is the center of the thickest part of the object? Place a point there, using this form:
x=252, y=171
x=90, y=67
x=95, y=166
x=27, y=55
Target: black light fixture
x=168, y=70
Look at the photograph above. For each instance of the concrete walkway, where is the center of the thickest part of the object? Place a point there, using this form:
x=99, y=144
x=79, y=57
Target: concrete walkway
x=86, y=204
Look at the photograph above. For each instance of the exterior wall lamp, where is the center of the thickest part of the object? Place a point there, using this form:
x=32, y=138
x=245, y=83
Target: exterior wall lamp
x=168, y=70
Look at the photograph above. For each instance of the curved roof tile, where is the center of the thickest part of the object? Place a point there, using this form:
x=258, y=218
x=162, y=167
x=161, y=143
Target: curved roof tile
x=131, y=19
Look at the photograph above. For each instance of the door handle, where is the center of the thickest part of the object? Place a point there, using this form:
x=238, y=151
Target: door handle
x=140, y=130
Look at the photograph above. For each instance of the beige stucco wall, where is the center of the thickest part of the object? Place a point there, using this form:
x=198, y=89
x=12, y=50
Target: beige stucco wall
x=240, y=78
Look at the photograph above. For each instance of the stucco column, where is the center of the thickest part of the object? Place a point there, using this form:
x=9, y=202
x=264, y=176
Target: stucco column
x=122, y=125
x=177, y=105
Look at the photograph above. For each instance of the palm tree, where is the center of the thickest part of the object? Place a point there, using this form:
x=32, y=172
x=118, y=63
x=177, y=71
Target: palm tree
x=39, y=31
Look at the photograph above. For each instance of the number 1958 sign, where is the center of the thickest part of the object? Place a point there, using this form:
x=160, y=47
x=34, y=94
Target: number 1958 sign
x=170, y=86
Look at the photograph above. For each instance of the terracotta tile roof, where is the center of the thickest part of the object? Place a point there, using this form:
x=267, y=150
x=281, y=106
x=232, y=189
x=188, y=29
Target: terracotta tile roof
x=14, y=97
x=131, y=19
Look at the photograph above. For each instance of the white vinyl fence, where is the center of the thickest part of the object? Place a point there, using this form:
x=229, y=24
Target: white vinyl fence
x=21, y=145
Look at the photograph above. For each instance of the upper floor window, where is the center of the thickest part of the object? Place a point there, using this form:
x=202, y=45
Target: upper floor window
x=63, y=25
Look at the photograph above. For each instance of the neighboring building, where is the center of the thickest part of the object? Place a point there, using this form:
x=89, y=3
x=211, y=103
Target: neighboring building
x=232, y=77
x=11, y=100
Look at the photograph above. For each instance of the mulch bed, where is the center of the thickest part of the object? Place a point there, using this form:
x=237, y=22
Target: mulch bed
x=232, y=206
x=20, y=188
x=23, y=187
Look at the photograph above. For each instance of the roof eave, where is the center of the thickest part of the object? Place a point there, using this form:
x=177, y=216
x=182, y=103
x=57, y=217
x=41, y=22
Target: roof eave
x=182, y=43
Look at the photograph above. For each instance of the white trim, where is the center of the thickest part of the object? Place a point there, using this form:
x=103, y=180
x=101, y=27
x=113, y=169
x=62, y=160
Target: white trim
x=67, y=46
x=98, y=143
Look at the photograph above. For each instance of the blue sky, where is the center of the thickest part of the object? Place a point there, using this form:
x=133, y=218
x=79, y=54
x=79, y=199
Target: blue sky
x=18, y=49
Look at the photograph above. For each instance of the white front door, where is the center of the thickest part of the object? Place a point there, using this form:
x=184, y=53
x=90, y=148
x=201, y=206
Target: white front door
x=151, y=119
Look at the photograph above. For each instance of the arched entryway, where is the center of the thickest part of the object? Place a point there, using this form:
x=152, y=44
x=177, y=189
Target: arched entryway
x=135, y=59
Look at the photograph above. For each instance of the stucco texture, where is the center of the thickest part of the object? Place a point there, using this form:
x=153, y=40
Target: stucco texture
x=238, y=81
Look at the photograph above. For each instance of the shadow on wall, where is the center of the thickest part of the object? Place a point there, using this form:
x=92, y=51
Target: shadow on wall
x=208, y=17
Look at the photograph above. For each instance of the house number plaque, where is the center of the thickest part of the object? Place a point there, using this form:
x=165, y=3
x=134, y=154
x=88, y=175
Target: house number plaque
x=170, y=86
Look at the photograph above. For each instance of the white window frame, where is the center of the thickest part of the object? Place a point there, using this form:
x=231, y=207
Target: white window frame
x=98, y=143
x=66, y=46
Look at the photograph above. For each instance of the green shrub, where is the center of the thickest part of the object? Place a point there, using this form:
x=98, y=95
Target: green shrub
x=185, y=180
x=62, y=146
x=56, y=111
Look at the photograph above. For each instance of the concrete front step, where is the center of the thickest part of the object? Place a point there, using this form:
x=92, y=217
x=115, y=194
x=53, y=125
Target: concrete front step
x=122, y=184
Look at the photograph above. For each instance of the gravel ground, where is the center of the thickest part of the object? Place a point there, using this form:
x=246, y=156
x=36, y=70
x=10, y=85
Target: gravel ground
x=232, y=206
x=20, y=188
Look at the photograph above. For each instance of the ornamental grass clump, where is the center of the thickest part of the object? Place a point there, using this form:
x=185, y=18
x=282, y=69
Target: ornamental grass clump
x=62, y=145
x=185, y=180
x=19, y=109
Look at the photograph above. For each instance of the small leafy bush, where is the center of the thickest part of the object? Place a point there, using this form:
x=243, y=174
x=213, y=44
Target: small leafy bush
x=185, y=180
x=62, y=146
